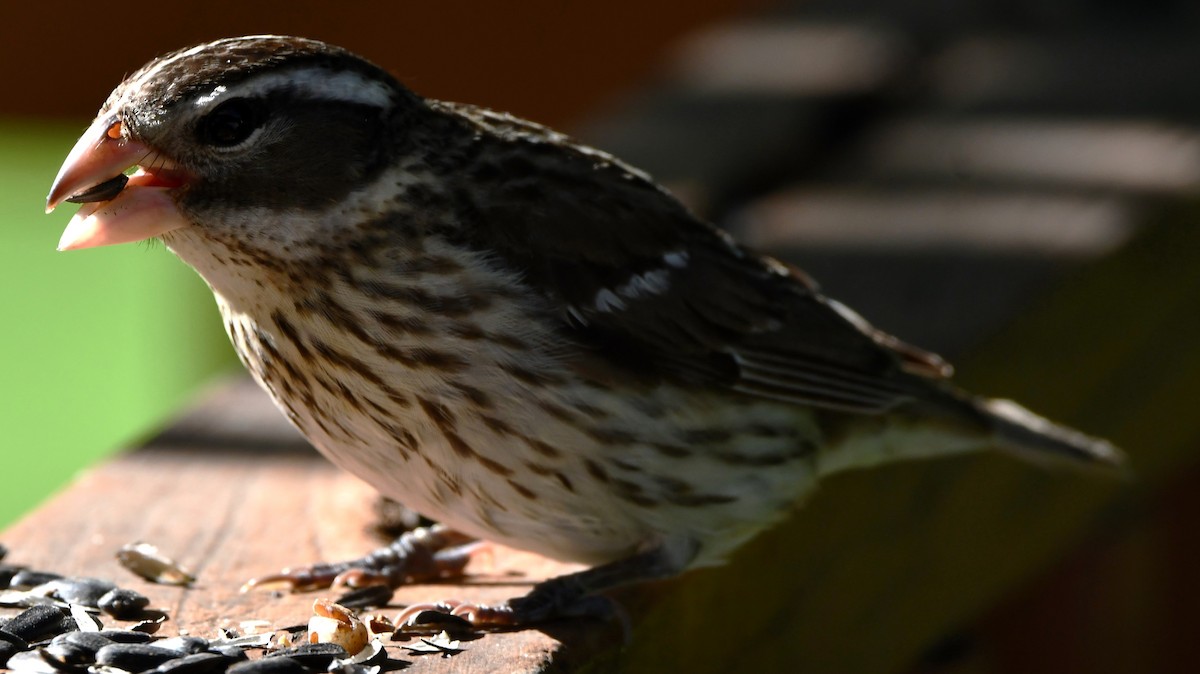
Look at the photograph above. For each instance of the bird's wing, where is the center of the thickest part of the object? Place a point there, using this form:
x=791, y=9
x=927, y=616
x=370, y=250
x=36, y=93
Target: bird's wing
x=636, y=276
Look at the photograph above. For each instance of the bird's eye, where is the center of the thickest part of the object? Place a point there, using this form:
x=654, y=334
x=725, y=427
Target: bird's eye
x=230, y=123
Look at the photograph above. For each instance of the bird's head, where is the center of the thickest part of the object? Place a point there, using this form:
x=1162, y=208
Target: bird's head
x=224, y=136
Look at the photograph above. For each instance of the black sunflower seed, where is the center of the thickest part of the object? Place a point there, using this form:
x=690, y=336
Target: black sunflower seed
x=92, y=641
x=11, y=638
x=134, y=657
x=30, y=578
x=196, y=663
x=38, y=622
x=68, y=655
x=7, y=572
x=125, y=636
x=102, y=192
x=7, y=650
x=313, y=656
x=184, y=645
x=123, y=604
x=85, y=591
x=279, y=665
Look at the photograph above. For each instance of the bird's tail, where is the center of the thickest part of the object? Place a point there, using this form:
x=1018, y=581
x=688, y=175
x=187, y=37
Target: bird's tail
x=1018, y=430
x=953, y=422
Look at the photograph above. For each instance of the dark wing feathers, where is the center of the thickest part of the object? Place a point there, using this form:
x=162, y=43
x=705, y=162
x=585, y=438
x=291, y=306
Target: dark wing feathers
x=805, y=380
x=637, y=275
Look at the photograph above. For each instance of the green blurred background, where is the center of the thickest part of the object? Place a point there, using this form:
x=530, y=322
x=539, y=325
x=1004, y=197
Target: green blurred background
x=100, y=345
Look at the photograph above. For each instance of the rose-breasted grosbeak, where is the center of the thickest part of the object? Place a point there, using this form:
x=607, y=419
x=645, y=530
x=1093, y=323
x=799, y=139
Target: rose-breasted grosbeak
x=515, y=334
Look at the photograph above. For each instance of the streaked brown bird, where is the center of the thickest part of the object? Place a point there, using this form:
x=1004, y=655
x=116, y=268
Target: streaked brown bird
x=515, y=334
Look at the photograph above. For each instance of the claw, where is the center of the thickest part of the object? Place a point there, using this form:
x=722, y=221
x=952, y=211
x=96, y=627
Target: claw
x=454, y=613
x=315, y=577
x=411, y=616
x=483, y=615
x=358, y=578
x=515, y=613
x=430, y=554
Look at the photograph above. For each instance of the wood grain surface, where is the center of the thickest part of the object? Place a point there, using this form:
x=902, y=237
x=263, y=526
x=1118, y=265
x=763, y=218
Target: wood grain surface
x=231, y=493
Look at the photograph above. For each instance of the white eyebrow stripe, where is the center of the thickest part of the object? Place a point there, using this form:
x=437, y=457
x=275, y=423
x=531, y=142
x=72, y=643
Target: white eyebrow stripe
x=317, y=83
x=210, y=97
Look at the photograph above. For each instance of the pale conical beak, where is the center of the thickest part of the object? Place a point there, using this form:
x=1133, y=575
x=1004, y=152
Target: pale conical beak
x=112, y=213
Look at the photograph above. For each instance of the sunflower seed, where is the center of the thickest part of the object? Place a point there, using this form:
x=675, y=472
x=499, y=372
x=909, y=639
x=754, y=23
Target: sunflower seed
x=126, y=636
x=28, y=578
x=39, y=622
x=146, y=561
x=313, y=656
x=85, y=591
x=102, y=192
x=84, y=620
x=196, y=663
x=184, y=645
x=11, y=638
x=92, y=641
x=234, y=653
x=30, y=662
x=150, y=625
x=123, y=604
x=7, y=650
x=134, y=657
x=282, y=665
x=68, y=655
x=371, y=653
x=7, y=571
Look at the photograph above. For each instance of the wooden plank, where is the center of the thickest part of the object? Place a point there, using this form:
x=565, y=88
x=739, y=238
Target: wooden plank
x=230, y=508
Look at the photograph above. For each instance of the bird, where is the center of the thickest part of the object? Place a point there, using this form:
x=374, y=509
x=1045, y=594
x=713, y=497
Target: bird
x=518, y=335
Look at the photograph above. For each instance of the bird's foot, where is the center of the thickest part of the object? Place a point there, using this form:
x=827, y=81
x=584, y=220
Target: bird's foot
x=557, y=598
x=425, y=554
x=575, y=595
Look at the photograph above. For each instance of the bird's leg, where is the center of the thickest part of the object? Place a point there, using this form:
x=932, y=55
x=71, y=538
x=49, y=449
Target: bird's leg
x=569, y=596
x=425, y=554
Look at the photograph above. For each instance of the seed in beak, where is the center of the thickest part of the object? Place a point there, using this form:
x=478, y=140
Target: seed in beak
x=102, y=192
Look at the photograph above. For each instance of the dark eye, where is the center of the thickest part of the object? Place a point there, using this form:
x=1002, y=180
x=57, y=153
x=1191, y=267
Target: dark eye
x=230, y=122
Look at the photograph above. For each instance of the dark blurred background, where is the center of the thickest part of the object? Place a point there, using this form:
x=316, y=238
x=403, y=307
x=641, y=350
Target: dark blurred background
x=946, y=167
